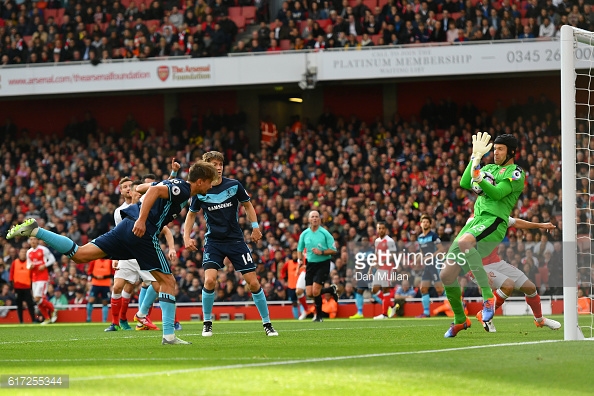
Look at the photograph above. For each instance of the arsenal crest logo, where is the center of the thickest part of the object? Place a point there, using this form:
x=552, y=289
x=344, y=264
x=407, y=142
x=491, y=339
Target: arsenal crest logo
x=163, y=72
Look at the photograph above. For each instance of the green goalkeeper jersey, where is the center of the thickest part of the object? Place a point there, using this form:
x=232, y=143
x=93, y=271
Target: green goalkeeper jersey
x=500, y=199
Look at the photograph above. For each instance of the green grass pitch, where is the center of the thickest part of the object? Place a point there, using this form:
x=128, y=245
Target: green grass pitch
x=336, y=357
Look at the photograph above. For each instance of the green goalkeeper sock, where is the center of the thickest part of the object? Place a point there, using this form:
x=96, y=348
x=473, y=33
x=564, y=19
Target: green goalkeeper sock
x=475, y=262
x=454, y=295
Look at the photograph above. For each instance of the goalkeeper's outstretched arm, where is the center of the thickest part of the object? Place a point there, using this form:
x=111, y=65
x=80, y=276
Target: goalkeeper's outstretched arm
x=498, y=192
x=466, y=180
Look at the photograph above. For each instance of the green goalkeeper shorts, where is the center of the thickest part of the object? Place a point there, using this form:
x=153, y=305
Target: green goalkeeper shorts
x=487, y=229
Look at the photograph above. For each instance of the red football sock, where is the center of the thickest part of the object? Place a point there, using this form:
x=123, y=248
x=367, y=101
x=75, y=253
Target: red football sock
x=534, y=303
x=124, y=308
x=49, y=306
x=43, y=309
x=303, y=302
x=500, y=298
x=387, y=301
x=116, y=306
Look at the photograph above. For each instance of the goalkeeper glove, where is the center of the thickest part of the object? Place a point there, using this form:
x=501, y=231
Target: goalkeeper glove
x=478, y=177
x=480, y=147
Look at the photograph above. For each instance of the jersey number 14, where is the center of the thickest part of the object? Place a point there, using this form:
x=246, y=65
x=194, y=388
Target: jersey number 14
x=247, y=258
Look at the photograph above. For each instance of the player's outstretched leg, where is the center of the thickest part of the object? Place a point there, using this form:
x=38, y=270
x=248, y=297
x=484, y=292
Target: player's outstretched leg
x=26, y=229
x=30, y=227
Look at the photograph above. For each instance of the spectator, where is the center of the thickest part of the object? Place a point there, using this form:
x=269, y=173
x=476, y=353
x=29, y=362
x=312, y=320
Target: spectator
x=59, y=300
x=175, y=18
x=240, y=295
x=547, y=29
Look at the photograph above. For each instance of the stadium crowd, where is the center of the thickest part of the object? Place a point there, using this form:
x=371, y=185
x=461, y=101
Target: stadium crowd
x=353, y=172
x=97, y=31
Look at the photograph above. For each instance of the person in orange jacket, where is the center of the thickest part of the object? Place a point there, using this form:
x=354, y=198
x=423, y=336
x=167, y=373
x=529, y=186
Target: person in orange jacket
x=329, y=307
x=20, y=276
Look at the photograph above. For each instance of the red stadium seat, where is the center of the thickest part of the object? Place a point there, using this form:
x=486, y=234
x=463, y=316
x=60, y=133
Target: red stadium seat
x=59, y=16
x=375, y=38
x=1, y=22
x=84, y=226
x=544, y=274
x=234, y=11
x=50, y=13
x=28, y=40
x=152, y=22
x=382, y=3
x=285, y=45
x=125, y=3
x=324, y=23
x=239, y=21
x=371, y=4
x=300, y=26
x=249, y=13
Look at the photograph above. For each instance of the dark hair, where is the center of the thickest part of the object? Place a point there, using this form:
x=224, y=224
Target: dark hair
x=149, y=176
x=202, y=170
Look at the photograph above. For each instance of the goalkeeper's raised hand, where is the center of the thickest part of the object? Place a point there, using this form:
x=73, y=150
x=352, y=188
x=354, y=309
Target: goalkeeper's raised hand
x=480, y=147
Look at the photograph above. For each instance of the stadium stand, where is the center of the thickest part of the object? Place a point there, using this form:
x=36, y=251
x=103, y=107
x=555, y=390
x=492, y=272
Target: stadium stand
x=123, y=29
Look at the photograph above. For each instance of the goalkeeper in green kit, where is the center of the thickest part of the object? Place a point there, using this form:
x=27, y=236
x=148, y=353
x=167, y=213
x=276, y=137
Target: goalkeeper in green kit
x=488, y=227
